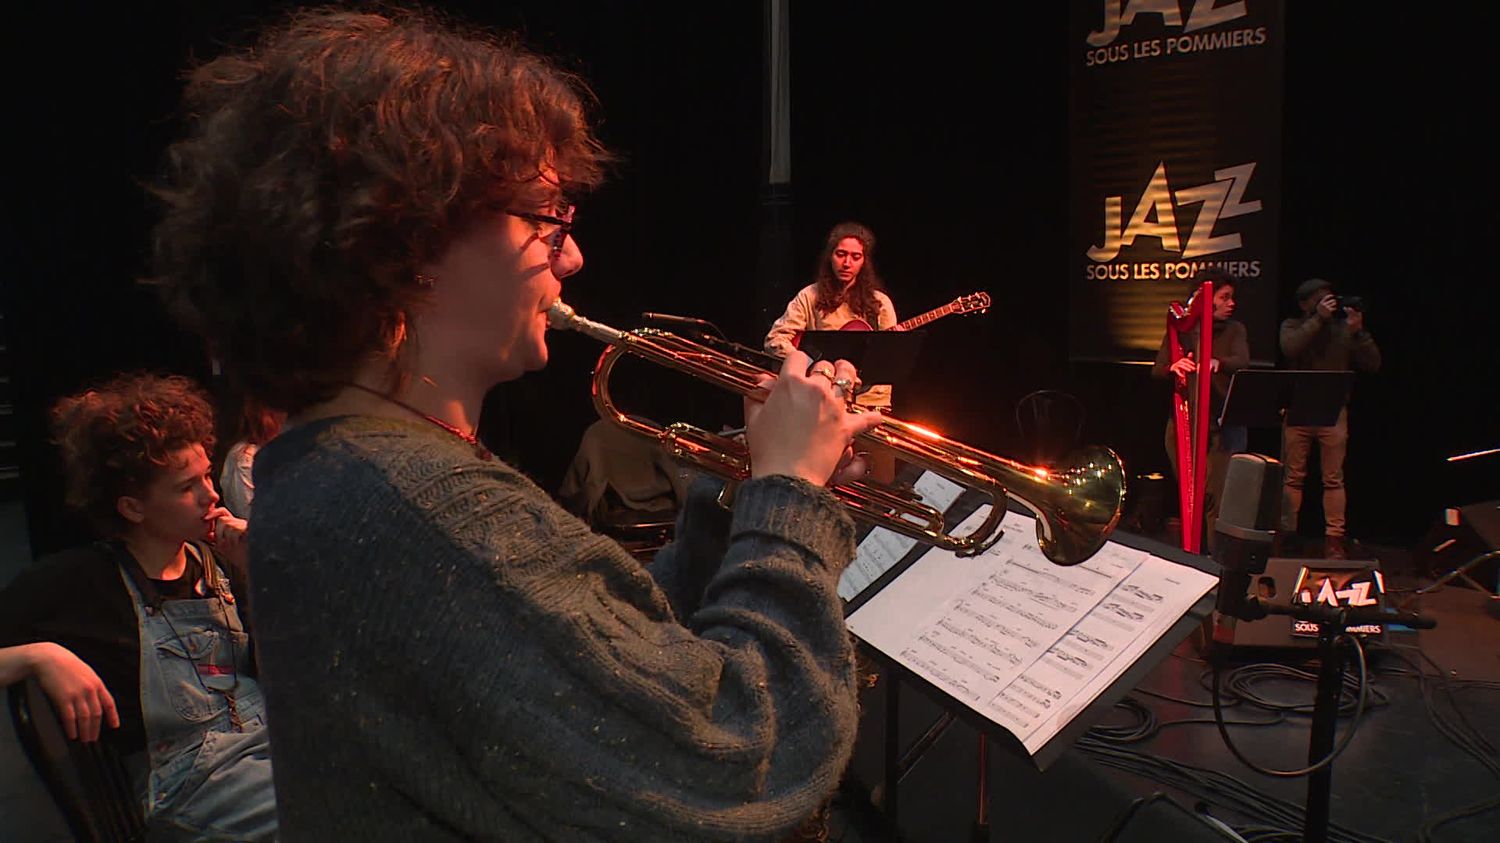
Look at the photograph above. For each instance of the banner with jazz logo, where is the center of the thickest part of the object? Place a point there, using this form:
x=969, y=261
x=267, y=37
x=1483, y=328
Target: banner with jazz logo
x=1175, y=130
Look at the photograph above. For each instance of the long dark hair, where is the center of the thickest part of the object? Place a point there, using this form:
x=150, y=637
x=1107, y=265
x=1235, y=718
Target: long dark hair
x=860, y=294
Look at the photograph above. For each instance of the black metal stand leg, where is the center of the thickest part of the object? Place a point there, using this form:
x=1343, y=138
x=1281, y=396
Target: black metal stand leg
x=892, y=756
x=980, y=833
x=1324, y=728
x=1462, y=571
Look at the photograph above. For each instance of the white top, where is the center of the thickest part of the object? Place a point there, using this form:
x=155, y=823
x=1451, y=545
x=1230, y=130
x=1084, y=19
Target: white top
x=236, y=486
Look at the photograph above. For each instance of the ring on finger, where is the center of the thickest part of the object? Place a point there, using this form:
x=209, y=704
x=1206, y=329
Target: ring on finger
x=844, y=386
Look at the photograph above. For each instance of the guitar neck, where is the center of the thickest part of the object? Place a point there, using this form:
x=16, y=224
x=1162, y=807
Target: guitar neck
x=919, y=321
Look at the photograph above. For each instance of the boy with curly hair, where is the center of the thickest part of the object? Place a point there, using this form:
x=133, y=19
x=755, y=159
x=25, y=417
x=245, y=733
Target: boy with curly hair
x=141, y=632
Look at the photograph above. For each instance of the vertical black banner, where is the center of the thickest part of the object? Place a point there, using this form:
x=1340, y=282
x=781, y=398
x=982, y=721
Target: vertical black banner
x=1175, y=130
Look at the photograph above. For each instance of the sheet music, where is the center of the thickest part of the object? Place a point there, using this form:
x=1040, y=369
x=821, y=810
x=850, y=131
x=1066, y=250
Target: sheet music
x=1098, y=649
x=1024, y=642
x=883, y=548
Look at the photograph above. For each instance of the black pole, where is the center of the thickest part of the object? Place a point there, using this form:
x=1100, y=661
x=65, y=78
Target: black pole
x=1324, y=728
x=774, y=273
x=980, y=833
x=892, y=760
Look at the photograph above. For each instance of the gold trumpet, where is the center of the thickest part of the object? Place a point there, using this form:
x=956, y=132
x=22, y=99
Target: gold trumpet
x=1076, y=506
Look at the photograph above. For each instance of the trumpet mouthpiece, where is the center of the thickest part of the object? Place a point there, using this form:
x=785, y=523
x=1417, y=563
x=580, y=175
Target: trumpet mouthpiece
x=560, y=315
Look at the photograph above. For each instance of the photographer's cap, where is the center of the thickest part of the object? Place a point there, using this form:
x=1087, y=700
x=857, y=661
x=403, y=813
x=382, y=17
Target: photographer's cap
x=1310, y=288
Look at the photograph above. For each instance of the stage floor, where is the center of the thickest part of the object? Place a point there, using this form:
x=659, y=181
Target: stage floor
x=1398, y=773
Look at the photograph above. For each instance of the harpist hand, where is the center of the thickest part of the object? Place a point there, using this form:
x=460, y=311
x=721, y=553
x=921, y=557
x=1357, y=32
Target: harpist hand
x=1184, y=367
x=76, y=691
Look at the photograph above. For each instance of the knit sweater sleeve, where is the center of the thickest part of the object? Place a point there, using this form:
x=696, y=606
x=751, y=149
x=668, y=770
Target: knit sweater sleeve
x=732, y=727
x=496, y=669
x=683, y=568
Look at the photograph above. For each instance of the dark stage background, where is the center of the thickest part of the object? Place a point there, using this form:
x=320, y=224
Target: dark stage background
x=946, y=134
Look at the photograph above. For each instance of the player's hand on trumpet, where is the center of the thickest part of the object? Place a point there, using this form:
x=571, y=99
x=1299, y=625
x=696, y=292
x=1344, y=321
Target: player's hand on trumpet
x=803, y=427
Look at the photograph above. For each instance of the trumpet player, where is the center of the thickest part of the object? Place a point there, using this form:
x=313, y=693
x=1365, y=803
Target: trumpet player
x=371, y=214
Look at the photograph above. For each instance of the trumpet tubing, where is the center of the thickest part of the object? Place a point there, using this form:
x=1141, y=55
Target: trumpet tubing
x=1076, y=506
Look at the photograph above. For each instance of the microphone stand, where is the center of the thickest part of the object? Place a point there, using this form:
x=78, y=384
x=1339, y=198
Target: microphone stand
x=1245, y=539
x=702, y=327
x=1333, y=623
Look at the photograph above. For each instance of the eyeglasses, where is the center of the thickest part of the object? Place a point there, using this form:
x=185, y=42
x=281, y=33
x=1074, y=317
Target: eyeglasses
x=555, y=239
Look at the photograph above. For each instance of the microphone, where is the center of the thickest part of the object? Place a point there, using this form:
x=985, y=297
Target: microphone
x=1249, y=512
x=702, y=325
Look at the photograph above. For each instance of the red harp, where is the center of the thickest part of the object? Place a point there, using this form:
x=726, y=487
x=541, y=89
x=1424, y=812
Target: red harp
x=1190, y=409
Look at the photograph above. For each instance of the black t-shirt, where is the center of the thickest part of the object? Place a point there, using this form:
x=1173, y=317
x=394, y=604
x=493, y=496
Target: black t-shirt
x=76, y=599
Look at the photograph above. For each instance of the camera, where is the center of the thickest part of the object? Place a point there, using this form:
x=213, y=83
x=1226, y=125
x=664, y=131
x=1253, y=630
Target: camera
x=1356, y=302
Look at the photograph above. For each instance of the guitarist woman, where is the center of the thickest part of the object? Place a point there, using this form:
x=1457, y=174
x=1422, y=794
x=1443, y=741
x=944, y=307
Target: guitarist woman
x=1231, y=352
x=846, y=293
x=846, y=288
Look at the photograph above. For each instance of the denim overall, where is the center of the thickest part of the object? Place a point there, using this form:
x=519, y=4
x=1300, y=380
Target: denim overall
x=210, y=775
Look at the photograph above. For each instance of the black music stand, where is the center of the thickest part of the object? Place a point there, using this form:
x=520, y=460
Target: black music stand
x=880, y=356
x=1297, y=397
x=895, y=763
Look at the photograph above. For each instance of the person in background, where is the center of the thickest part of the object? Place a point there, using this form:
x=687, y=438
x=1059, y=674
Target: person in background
x=257, y=425
x=1325, y=335
x=139, y=639
x=1231, y=350
x=846, y=289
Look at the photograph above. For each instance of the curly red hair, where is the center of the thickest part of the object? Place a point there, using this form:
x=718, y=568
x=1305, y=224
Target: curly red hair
x=116, y=439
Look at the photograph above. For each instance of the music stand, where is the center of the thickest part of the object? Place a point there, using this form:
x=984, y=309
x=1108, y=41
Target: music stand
x=1298, y=397
x=1082, y=711
x=880, y=356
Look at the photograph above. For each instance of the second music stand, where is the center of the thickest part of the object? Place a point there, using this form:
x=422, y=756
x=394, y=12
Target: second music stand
x=1297, y=397
x=880, y=356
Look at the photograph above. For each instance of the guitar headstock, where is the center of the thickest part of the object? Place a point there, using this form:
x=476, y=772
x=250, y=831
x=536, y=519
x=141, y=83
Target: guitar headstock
x=972, y=303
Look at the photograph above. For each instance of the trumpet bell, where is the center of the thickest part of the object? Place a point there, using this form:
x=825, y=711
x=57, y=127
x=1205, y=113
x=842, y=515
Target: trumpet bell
x=1087, y=496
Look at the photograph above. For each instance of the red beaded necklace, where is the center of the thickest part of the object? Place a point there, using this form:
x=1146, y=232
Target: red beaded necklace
x=479, y=449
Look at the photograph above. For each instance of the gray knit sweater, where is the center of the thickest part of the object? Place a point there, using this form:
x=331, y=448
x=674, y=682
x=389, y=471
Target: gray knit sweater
x=447, y=654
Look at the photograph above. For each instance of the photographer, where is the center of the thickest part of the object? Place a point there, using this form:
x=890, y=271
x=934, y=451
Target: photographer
x=1328, y=335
